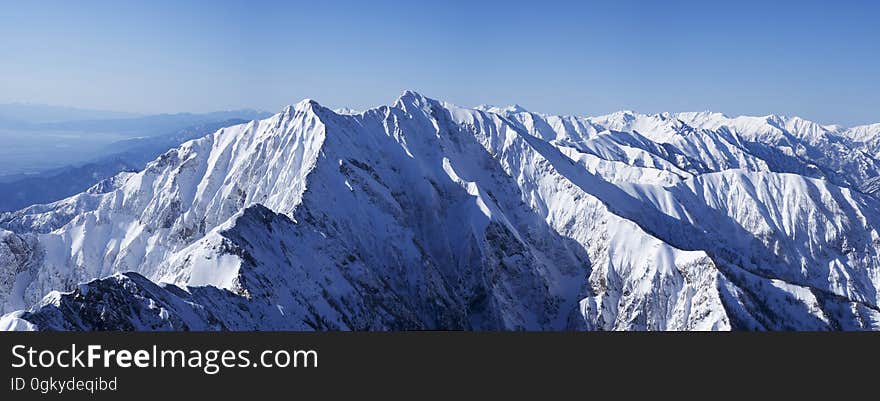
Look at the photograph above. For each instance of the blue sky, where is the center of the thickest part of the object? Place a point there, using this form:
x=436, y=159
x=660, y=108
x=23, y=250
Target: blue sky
x=819, y=60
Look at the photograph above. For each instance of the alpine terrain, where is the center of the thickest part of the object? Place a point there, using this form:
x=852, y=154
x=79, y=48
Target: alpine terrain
x=425, y=215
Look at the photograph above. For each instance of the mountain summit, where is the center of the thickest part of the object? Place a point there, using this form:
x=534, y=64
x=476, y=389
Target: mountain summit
x=425, y=215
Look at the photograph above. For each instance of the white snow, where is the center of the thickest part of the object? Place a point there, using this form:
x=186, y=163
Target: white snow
x=627, y=221
x=12, y=322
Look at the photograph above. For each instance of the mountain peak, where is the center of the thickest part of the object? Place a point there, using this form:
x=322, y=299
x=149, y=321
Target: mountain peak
x=302, y=105
x=410, y=95
x=412, y=99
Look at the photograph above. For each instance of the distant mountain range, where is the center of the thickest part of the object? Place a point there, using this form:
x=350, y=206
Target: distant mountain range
x=65, y=157
x=24, y=114
x=56, y=118
x=127, y=155
x=426, y=215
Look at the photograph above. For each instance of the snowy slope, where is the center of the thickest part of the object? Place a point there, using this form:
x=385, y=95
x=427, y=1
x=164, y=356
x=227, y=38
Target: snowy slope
x=423, y=214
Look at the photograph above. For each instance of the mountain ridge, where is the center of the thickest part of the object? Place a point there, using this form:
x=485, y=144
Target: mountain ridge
x=568, y=223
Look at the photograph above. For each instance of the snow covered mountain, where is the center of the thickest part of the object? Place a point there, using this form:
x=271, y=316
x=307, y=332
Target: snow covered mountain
x=425, y=215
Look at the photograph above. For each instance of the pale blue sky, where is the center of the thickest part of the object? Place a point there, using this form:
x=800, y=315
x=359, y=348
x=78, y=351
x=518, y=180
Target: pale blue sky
x=819, y=60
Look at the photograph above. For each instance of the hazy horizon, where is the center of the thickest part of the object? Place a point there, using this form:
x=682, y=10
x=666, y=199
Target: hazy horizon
x=806, y=58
